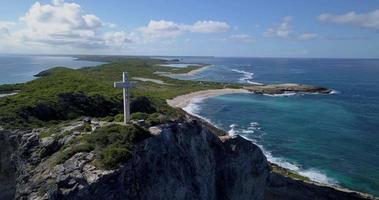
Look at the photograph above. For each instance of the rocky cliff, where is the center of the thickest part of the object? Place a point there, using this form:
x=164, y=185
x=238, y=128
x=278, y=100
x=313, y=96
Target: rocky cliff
x=186, y=159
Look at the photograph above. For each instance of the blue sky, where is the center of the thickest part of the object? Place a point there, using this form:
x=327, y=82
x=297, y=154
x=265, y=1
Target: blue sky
x=285, y=28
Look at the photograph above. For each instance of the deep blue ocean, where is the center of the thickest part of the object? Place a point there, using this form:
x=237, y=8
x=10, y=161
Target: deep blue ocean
x=332, y=139
x=22, y=68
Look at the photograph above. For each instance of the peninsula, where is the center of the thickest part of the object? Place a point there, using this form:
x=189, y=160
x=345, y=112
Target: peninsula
x=49, y=152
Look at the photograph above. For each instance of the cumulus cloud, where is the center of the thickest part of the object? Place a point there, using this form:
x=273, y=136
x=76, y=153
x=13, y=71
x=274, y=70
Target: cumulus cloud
x=4, y=27
x=285, y=30
x=169, y=29
x=209, y=27
x=282, y=30
x=64, y=24
x=243, y=38
x=307, y=36
x=366, y=20
x=161, y=29
x=116, y=39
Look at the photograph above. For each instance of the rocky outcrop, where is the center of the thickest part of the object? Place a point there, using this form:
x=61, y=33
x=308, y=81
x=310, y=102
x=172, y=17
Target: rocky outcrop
x=286, y=87
x=279, y=187
x=8, y=145
x=187, y=159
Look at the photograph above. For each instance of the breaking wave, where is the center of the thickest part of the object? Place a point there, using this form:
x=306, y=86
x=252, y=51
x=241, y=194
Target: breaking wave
x=254, y=133
x=193, y=108
x=247, y=77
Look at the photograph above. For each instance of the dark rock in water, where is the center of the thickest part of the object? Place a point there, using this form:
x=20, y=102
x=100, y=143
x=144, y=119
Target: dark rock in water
x=287, y=87
x=187, y=159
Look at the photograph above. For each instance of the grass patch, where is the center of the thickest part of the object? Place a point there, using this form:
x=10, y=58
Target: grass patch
x=72, y=150
x=112, y=144
x=288, y=173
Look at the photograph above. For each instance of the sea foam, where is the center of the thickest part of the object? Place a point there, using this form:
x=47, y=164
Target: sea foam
x=193, y=108
x=254, y=134
x=247, y=77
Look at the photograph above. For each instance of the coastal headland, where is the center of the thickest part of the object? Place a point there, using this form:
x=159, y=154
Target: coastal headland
x=49, y=152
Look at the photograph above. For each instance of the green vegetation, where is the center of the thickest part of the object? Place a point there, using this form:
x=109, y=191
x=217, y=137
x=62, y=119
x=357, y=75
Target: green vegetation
x=288, y=173
x=112, y=144
x=61, y=94
x=8, y=88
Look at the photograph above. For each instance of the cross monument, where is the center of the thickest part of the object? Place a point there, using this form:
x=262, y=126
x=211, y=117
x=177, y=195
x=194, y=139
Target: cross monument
x=125, y=84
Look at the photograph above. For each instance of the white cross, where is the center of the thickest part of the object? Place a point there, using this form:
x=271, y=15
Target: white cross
x=125, y=84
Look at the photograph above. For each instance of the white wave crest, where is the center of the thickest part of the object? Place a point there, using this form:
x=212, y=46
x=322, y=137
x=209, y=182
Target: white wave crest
x=232, y=131
x=254, y=134
x=247, y=77
x=285, y=94
x=193, y=108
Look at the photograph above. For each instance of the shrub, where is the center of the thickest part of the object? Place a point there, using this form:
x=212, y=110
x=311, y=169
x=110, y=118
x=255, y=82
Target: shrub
x=112, y=156
x=114, y=142
x=85, y=127
x=142, y=104
x=119, y=118
x=69, y=152
x=139, y=115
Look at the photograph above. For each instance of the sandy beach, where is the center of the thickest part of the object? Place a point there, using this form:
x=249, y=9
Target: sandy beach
x=8, y=94
x=190, y=73
x=150, y=80
x=196, y=71
x=184, y=100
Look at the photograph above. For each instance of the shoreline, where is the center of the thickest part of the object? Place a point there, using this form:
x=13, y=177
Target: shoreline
x=193, y=72
x=183, y=101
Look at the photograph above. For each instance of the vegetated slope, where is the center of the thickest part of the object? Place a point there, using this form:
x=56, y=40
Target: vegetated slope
x=61, y=93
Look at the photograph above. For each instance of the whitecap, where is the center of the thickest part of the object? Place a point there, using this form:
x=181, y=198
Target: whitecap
x=254, y=134
x=232, y=131
x=285, y=94
x=247, y=77
x=194, y=109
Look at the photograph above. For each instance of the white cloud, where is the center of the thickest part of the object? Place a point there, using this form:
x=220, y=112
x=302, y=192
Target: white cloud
x=366, y=20
x=169, y=29
x=285, y=30
x=282, y=30
x=161, y=29
x=4, y=27
x=209, y=27
x=117, y=39
x=62, y=24
x=243, y=38
x=307, y=36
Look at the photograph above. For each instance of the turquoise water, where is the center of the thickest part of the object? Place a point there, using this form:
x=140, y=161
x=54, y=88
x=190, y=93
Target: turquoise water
x=332, y=139
x=22, y=68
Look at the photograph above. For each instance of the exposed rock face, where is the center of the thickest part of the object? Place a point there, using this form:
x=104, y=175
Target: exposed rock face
x=8, y=145
x=279, y=187
x=186, y=160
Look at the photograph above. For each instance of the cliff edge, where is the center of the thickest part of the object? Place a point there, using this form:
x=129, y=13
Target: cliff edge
x=185, y=159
